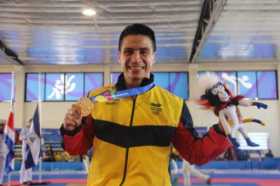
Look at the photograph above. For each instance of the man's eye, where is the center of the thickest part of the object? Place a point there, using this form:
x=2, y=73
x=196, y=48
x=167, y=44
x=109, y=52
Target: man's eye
x=144, y=52
x=128, y=52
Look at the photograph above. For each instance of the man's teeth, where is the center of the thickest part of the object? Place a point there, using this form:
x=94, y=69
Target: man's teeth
x=136, y=67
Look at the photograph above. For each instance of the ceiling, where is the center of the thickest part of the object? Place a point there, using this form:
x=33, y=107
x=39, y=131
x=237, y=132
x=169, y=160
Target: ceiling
x=55, y=31
x=245, y=30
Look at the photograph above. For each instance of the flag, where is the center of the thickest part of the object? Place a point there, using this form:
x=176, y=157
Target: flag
x=33, y=142
x=9, y=141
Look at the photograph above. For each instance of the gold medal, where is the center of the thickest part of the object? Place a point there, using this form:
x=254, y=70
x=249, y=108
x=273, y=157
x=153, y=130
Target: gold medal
x=86, y=106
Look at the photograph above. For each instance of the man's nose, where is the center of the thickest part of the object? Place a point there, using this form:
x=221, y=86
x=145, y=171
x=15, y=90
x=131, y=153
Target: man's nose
x=136, y=55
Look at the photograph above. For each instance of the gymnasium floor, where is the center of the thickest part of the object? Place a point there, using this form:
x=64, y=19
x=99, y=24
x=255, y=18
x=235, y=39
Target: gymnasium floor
x=220, y=178
x=240, y=178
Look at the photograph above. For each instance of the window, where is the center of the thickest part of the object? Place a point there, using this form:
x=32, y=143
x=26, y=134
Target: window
x=54, y=87
x=61, y=86
x=5, y=86
x=114, y=77
x=251, y=84
x=175, y=82
x=93, y=81
x=162, y=79
x=74, y=86
x=267, y=84
x=229, y=78
x=34, y=81
x=247, y=84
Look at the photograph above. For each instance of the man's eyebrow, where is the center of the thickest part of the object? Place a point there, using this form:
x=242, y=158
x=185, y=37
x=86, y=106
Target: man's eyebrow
x=141, y=48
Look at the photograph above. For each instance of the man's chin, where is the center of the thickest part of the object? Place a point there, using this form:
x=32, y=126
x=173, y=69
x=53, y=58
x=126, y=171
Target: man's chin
x=136, y=76
x=135, y=79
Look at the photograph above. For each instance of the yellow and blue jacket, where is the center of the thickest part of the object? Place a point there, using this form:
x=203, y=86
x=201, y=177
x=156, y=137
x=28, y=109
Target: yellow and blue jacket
x=131, y=138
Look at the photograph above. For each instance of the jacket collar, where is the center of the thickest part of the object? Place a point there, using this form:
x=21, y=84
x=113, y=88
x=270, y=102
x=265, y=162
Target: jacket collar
x=120, y=85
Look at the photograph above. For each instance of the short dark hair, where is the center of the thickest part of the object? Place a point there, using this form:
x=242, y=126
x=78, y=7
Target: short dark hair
x=138, y=29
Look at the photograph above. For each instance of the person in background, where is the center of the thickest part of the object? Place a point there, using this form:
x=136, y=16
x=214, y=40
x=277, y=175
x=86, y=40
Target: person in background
x=187, y=170
x=2, y=152
x=132, y=124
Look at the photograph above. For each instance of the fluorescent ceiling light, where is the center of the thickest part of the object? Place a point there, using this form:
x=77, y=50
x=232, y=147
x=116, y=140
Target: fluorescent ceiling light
x=89, y=12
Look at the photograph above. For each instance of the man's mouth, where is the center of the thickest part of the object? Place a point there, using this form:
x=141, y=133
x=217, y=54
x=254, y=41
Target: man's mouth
x=135, y=67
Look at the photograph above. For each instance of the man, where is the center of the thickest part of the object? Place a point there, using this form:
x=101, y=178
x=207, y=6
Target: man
x=133, y=123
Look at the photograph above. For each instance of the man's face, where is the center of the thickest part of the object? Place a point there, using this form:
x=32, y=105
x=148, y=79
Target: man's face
x=136, y=58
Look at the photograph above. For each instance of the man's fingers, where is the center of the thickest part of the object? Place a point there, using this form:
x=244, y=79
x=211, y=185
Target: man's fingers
x=69, y=119
x=74, y=112
x=73, y=117
x=69, y=126
x=76, y=108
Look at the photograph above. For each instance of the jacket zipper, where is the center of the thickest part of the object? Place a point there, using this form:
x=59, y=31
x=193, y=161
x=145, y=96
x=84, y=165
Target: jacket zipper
x=127, y=148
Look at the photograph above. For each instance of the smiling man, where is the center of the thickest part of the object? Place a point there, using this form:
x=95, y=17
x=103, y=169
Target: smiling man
x=136, y=58
x=133, y=126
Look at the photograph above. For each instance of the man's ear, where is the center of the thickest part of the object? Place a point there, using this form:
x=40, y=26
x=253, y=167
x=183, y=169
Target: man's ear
x=119, y=57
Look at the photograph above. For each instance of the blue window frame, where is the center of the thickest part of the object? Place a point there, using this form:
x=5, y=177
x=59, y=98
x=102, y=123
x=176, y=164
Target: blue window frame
x=93, y=81
x=267, y=84
x=229, y=77
x=32, y=86
x=5, y=86
x=247, y=85
x=162, y=79
x=175, y=82
x=179, y=84
x=54, y=87
x=114, y=77
x=251, y=84
x=61, y=86
x=74, y=86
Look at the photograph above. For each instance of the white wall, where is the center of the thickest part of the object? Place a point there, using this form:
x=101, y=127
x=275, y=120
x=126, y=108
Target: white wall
x=53, y=112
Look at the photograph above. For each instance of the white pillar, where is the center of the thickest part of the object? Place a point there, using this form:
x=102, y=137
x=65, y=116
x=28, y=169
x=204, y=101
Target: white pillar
x=19, y=72
x=193, y=70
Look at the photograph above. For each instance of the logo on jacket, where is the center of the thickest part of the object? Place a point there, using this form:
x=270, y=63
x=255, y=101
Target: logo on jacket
x=156, y=107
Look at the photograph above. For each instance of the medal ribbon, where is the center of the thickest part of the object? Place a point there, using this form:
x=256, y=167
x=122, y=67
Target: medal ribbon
x=123, y=93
